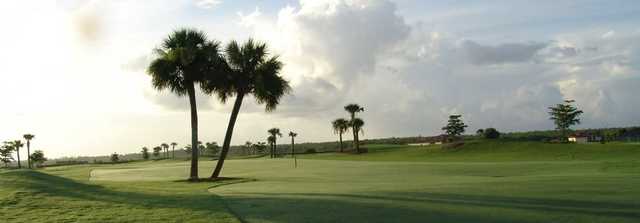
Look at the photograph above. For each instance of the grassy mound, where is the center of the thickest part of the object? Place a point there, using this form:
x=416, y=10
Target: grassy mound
x=34, y=196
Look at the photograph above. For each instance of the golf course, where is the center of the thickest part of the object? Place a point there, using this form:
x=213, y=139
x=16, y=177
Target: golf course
x=481, y=181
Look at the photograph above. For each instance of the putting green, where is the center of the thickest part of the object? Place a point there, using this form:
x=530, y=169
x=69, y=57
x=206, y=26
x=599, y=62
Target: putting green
x=364, y=191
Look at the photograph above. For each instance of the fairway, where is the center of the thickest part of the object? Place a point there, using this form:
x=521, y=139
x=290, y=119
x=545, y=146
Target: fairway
x=482, y=182
x=368, y=191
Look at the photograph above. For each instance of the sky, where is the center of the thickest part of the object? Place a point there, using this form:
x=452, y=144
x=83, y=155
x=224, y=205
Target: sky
x=73, y=72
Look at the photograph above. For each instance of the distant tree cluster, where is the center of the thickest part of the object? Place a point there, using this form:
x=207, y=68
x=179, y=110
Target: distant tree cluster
x=488, y=133
x=9, y=147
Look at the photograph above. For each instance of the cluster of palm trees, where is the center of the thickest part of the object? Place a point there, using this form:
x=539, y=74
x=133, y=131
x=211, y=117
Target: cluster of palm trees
x=161, y=149
x=341, y=125
x=9, y=147
x=187, y=58
x=274, y=133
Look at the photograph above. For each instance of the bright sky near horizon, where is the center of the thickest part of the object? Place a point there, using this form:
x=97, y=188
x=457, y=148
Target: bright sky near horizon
x=73, y=72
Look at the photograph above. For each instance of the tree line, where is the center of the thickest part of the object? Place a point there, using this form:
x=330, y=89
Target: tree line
x=35, y=159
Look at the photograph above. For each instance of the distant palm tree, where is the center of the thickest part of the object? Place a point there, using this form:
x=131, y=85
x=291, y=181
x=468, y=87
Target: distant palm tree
x=165, y=149
x=173, y=150
x=275, y=132
x=271, y=140
x=184, y=58
x=250, y=71
x=293, y=150
x=340, y=126
x=28, y=138
x=357, y=125
x=353, y=109
x=293, y=136
x=17, y=144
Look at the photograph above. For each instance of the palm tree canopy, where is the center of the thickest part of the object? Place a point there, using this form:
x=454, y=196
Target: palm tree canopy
x=186, y=55
x=271, y=139
x=28, y=136
x=275, y=132
x=17, y=144
x=353, y=108
x=293, y=134
x=164, y=145
x=249, y=70
x=340, y=125
x=358, y=124
x=174, y=144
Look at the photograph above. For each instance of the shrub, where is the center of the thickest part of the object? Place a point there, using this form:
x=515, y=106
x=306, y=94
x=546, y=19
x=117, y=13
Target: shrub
x=310, y=151
x=491, y=133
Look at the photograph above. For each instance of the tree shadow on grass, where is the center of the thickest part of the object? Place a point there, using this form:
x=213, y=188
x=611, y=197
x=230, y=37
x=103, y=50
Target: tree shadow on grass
x=50, y=185
x=420, y=207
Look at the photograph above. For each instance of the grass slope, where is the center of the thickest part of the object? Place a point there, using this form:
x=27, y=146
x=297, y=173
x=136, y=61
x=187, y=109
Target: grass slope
x=64, y=194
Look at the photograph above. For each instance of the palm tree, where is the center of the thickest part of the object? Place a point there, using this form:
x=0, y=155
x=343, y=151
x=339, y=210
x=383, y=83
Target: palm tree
x=165, y=149
x=272, y=141
x=340, y=126
x=353, y=109
x=293, y=150
x=357, y=124
x=28, y=138
x=249, y=70
x=292, y=135
x=173, y=150
x=17, y=144
x=184, y=58
x=275, y=132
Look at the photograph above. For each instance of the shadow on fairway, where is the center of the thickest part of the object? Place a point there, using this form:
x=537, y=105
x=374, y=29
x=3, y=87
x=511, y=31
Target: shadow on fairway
x=420, y=207
x=50, y=185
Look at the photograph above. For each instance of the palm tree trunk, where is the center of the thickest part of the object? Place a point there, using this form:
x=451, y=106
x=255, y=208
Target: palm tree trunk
x=194, y=132
x=341, y=148
x=355, y=141
x=227, y=137
x=173, y=152
x=275, y=148
x=28, y=154
x=18, y=153
x=292, y=149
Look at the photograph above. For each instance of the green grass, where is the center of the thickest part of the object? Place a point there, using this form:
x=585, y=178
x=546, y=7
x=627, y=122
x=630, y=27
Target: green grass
x=480, y=182
x=493, y=151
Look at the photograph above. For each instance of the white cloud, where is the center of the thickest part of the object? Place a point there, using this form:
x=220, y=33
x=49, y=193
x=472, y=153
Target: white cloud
x=208, y=4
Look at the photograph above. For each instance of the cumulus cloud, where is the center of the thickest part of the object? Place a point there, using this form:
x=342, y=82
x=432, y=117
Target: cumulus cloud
x=500, y=54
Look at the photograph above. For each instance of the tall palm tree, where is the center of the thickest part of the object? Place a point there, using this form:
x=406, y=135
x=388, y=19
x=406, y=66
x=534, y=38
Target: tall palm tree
x=340, y=126
x=165, y=149
x=183, y=59
x=28, y=138
x=249, y=71
x=272, y=141
x=353, y=109
x=293, y=136
x=173, y=150
x=293, y=150
x=275, y=132
x=17, y=144
x=357, y=125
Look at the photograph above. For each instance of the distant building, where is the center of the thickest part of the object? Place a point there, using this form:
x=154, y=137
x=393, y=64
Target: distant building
x=584, y=137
